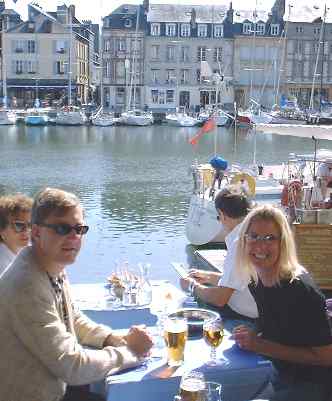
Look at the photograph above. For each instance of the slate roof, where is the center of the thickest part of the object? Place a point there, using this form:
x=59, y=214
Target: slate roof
x=182, y=13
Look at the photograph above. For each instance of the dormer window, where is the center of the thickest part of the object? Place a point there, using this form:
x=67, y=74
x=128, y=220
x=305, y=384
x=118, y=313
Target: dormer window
x=185, y=30
x=274, y=29
x=155, y=30
x=128, y=23
x=218, y=31
x=170, y=30
x=246, y=28
x=260, y=29
x=202, y=30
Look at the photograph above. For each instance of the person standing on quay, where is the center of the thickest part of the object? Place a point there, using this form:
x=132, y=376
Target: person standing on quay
x=42, y=334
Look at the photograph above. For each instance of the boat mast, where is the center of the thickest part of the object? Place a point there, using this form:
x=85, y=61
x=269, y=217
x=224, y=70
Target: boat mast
x=133, y=72
x=311, y=105
x=283, y=54
x=4, y=72
x=70, y=54
x=322, y=66
x=253, y=54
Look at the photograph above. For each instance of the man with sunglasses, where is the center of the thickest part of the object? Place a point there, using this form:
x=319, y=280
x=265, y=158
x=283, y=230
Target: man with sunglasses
x=42, y=333
x=227, y=291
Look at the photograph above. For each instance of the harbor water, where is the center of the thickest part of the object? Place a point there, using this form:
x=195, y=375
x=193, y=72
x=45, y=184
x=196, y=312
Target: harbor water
x=134, y=183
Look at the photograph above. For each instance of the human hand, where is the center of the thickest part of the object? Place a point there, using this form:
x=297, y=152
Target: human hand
x=245, y=338
x=139, y=341
x=205, y=277
x=185, y=283
x=114, y=341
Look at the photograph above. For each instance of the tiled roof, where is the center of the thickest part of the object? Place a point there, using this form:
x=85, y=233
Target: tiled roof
x=182, y=13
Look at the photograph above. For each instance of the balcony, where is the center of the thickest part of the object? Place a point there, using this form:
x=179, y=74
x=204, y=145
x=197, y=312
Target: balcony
x=60, y=51
x=19, y=50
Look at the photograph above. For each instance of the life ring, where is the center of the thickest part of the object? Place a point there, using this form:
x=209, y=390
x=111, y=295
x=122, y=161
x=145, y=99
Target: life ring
x=248, y=182
x=291, y=194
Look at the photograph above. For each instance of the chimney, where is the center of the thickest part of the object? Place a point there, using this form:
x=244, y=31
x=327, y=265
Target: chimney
x=146, y=6
x=230, y=14
x=71, y=10
x=193, y=18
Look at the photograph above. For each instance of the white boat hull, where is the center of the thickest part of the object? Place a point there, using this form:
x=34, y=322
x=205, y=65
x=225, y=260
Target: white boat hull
x=7, y=118
x=70, y=118
x=302, y=130
x=182, y=121
x=103, y=121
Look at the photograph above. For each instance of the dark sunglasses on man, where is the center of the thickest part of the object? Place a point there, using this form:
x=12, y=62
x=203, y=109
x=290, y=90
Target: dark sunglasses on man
x=65, y=229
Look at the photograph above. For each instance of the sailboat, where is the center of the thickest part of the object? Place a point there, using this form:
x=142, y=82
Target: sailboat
x=103, y=119
x=70, y=115
x=181, y=119
x=133, y=116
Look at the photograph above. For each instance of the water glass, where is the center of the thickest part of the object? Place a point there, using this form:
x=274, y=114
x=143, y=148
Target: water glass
x=212, y=392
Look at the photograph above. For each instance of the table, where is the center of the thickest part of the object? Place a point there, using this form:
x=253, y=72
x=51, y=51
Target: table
x=244, y=377
x=93, y=300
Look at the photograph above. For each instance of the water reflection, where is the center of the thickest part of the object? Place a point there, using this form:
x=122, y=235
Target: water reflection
x=133, y=182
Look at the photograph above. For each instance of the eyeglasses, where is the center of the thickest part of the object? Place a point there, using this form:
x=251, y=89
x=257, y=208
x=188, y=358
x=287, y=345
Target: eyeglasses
x=65, y=229
x=20, y=226
x=252, y=237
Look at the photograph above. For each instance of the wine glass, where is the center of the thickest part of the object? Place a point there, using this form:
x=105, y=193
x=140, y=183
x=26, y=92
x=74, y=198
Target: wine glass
x=213, y=333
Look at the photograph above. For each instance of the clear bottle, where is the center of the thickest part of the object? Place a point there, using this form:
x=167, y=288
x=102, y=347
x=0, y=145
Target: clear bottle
x=145, y=296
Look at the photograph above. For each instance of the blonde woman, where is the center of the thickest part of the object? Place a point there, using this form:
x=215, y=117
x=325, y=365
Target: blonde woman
x=293, y=324
x=15, y=217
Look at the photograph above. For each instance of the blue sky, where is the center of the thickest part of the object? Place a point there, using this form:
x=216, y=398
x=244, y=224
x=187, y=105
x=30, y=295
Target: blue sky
x=87, y=9
x=94, y=9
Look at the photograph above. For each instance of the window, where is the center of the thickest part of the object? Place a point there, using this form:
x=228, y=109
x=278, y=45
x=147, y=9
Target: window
x=154, y=96
x=155, y=76
x=61, y=67
x=201, y=53
x=299, y=29
x=19, y=46
x=218, y=54
x=185, y=53
x=107, y=45
x=19, y=66
x=128, y=23
x=274, y=29
x=31, y=46
x=185, y=76
x=170, y=76
x=316, y=31
x=108, y=69
x=155, y=29
x=202, y=30
x=185, y=30
x=60, y=46
x=170, y=96
x=170, y=30
x=260, y=29
x=121, y=44
x=155, y=52
x=246, y=28
x=198, y=75
x=120, y=69
x=316, y=47
x=120, y=95
x=31, y=67
x=170, y=55
x=218, y=31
